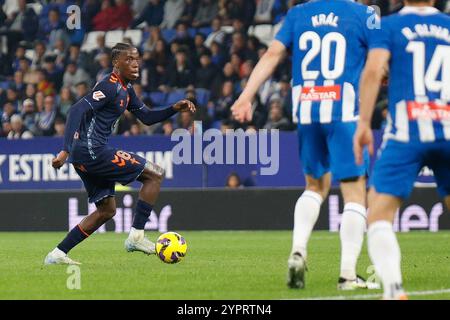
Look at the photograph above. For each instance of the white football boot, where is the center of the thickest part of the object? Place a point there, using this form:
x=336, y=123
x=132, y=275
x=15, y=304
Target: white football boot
x=358, y=283
x=59, y=257
x=296, y=271
x=136, y=241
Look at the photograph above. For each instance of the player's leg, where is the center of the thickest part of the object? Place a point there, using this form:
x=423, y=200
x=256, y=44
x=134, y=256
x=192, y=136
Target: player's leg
x=101, y=193
x=106, y=209
x=151, y=178
x=353, y=189
x=383, y=247
x=314, y=158
x=392, y=180
x=307, y=210
x=352, y=228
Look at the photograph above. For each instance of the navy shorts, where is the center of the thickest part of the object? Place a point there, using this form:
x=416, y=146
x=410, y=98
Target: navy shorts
x=101, y=169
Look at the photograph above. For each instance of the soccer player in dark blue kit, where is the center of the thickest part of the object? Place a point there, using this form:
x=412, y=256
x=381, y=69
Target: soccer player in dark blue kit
x=88, y=126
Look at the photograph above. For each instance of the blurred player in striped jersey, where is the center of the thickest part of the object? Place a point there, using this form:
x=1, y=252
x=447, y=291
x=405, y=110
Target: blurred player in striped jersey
x=329, y=42
x=416, y=45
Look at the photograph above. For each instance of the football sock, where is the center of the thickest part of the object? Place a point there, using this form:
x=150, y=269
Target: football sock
x=353, y=225
x=306, y=213
x=142, y=212
x=384, y=252
x=74, y=237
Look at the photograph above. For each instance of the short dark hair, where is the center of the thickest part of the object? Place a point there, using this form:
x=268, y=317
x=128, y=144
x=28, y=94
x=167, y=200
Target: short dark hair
x=118, y=49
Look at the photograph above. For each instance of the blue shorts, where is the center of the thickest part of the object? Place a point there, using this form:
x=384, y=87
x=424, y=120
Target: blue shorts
x=399, y=163
x=329, y=147
x=110, y=166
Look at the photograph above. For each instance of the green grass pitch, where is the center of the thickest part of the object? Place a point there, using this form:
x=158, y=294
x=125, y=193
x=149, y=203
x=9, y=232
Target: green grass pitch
x=218, y=265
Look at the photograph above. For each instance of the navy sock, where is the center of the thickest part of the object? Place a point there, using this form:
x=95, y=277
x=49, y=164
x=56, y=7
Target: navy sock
x=143, y=210
x=74, y=237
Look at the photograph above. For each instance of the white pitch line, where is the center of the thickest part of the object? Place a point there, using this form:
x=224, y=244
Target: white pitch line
x=377, y=295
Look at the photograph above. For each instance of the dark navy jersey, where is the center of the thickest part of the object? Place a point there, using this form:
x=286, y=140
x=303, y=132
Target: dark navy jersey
x=91, y=120
x=107, y=101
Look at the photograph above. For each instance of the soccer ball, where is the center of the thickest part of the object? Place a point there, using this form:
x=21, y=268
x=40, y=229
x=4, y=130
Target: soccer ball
x=171, y=247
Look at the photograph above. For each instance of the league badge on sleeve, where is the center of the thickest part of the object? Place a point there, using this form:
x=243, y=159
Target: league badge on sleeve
x=98, y=95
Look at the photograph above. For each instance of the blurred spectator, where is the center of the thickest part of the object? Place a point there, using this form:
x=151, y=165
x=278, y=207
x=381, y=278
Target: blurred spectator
x=74, y=75
x=102, y=20
x=8, y=111
x=82, y=89
x=53, y=73
x=182, y=37
x=180, y=73
x=19, y=84
x=155, y=35
x=60, y=126
x=207, y=74
x=243, y=10
x=263, y=11
x=217, y=56
x=221, y=107
x=18, y=131
x=89, y=10
x=65, y=101
x=233, y=181
x=46, y=118
x=190, y=8
x=5, y=129
x=30, y=91
x=105, y=67
x=206, y=12
x=217, y=35
x=52, y=27
x=19, y=55
x=153, y=14
x=122, y=15
x=167, y=127
x=186, y=121
x=29, y=116
x=276, y=118
x=173, y=9
x=21, y=24
x=39, y=53
x=100, y=49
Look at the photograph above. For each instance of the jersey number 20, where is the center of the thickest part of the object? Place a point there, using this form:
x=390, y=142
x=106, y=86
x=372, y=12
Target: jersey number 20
x=323, y=46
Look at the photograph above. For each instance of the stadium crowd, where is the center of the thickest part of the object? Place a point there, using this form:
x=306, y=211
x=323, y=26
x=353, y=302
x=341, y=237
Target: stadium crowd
x=202, y=50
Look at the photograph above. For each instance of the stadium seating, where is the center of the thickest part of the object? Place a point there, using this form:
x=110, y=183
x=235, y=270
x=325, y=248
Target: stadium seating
x=90, y=41
x=112, y=37
x=135, y=35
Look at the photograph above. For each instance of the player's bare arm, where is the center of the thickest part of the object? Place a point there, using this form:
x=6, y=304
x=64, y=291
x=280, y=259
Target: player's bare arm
x=241, y=109
x=371, y=78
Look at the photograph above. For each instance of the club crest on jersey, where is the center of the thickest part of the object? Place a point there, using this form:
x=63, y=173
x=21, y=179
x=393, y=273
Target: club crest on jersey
x=319, y=93
x=98, y=95
x=429, y=110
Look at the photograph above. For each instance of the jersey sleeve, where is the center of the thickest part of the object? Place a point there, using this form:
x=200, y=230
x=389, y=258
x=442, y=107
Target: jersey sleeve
x=143, y=113
x=103, y=93
x=134, y=103
x=285, y=34
x=380, y=38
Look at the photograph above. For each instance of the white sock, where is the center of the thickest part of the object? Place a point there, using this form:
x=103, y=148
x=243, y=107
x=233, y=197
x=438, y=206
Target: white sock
x=306, y=213
x=58, y=252
x=385, y=254
x=136, y=234
x=353, y=225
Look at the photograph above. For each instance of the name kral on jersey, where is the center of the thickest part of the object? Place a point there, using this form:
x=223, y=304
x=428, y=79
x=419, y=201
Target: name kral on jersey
x=429, y=110
x=325, y=20
x=427, y=30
